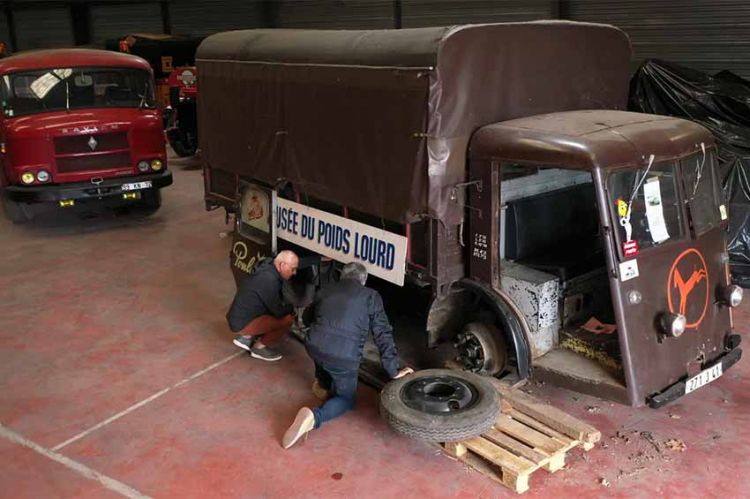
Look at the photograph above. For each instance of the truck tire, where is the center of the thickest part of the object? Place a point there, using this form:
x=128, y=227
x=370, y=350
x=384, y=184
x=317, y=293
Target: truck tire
x=151, y=199
x=17, y=212
x=440, y=405
x=183, y=144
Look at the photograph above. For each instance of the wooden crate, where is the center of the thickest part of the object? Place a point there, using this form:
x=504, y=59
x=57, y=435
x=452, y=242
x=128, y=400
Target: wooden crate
x=528, y=435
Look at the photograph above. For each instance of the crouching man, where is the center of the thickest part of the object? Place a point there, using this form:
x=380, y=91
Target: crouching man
x=258, y=312
x=343, y=314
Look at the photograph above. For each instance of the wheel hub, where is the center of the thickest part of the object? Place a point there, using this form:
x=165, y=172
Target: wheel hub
x=439, y=395
x=470, y=352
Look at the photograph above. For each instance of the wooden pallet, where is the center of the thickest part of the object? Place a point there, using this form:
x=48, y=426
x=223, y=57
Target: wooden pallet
x=527, y=436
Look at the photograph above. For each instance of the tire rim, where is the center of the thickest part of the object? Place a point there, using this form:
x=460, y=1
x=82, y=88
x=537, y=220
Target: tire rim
x=470, y=352
x=439, y=395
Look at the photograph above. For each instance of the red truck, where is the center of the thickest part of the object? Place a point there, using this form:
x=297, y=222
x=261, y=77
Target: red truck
x=79, y=126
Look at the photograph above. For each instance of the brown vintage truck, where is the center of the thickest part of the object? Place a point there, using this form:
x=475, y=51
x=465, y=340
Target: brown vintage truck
x=488, y=176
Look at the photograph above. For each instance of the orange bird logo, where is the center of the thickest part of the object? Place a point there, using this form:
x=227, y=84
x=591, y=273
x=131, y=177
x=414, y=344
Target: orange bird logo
x=685, y=288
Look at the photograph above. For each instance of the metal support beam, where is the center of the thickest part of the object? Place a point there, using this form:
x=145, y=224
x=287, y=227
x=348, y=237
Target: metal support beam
x=166, y=20
x=269, y=14
x=80, y=16
x=10, y=19
x=397, y=16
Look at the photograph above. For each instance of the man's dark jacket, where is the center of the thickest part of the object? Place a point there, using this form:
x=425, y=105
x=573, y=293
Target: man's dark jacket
x=258, y=294
x=343, y=314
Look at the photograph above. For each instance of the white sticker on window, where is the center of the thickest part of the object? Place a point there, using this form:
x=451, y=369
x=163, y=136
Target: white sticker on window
x=723, y=212
x=628, y=270
x=655, y=211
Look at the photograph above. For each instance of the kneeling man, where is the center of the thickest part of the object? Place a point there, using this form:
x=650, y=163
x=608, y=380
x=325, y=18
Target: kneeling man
x=343, y=315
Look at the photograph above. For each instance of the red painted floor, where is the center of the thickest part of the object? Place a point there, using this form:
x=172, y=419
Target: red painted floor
x=104, y=313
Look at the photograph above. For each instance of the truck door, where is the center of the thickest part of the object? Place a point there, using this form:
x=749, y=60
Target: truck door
x=254, y=233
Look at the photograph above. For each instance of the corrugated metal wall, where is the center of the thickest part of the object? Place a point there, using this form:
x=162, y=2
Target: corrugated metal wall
x=43, y=27
x=416, y=13
x=373, y=14
x=116, y=21
x=202, y=17
x=332, y=14
x=708, y=35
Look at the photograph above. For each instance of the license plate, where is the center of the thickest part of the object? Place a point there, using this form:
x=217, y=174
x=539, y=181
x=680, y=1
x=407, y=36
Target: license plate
x=136, y=186
x=703, y=378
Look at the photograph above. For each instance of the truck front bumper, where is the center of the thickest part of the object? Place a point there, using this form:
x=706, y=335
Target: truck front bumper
x=83, y=190
x=677, y=390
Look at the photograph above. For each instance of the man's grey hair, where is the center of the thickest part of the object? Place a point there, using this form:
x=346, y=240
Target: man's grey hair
x=355, y=271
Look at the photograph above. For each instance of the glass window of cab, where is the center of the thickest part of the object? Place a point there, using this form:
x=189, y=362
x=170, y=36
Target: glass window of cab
x=63, y=89
x=646, y=205
x=701, y=191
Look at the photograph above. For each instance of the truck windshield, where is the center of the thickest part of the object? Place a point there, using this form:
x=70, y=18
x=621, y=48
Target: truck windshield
x=701, y=191
x=646, y=204
x=62, y=89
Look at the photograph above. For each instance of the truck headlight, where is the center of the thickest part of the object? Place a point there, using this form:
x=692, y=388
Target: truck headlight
x=156, y=164
x=27, y=178
x=673, y=324
x=733, y=295
x=143, y=166
x=42, y=176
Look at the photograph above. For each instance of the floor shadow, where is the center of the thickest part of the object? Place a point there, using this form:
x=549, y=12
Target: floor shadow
x=186, y=163
x=55, y=222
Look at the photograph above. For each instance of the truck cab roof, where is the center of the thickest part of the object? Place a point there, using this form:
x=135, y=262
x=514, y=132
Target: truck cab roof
x=58, y=58
x=589, y=139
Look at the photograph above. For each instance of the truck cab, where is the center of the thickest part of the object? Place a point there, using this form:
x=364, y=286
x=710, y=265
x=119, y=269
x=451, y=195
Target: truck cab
x=610, y=238
x=79, y=126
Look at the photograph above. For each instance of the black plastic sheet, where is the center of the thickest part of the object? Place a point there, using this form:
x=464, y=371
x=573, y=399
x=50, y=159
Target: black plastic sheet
x=721, y=103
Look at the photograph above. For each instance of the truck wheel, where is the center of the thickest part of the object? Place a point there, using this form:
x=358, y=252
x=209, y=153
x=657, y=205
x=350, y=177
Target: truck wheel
x=440, y=405
x=17, y=212
x=151, y=199
x=482, y=349
x=184, y=145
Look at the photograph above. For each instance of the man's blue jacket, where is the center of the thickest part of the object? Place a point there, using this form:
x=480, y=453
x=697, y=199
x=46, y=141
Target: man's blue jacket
x=342, y=316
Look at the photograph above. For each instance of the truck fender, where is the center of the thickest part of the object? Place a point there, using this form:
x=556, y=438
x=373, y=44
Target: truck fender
x=510, y=319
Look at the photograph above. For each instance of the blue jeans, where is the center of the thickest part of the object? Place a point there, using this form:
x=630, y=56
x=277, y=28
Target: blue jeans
x=342, y=385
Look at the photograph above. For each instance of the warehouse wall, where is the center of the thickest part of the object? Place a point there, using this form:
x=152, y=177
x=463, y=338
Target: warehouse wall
x=708, y=35
x=333, y=14
x=203, y=17
x=417, y=13
x=116, y=20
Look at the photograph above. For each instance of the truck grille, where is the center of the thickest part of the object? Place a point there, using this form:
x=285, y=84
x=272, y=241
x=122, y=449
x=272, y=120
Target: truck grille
x=98, y=151
x=78, y=144
x=98, y=162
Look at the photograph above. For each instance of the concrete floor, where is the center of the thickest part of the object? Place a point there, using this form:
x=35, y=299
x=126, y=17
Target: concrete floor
x=118, y=377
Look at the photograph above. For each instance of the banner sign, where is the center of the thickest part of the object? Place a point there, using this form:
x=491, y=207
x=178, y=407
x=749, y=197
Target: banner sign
x=344, y=240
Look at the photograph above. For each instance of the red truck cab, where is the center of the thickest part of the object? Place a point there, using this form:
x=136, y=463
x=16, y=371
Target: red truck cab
x=79, y=126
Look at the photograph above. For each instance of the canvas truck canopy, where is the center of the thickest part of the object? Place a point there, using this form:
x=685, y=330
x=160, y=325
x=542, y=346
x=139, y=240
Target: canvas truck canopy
x=380, y=120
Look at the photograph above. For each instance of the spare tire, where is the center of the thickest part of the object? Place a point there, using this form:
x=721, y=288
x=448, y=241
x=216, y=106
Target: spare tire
x=440, y=405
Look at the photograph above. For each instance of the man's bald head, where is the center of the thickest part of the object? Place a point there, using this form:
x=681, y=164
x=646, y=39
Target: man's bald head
x=286, y=262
